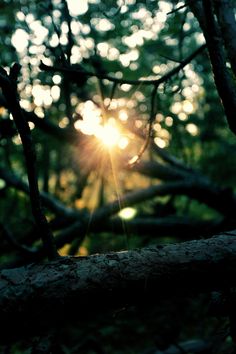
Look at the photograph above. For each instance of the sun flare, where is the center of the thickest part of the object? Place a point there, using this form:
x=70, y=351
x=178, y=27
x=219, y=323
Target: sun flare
x=109, y=134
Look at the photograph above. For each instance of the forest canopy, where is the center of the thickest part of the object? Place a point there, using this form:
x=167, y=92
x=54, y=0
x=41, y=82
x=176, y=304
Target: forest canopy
x=117, y=142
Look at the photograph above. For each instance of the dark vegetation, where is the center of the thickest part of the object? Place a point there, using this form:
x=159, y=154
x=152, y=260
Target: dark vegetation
x=117, y=176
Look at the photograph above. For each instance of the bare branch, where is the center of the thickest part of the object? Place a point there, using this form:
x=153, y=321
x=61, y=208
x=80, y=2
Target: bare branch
x=182, y=228
x=50, y=202
x=227, y=21
x=223, y=78
x=217, y=198
x=176, y=9
x=9, y=88
x=156, y=82
x=161, y=171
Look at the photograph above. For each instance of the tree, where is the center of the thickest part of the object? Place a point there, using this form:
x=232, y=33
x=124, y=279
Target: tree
x=113, y=139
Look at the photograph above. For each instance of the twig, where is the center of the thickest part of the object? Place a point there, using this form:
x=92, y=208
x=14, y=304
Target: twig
x=117, y=11
x=70, y=34
x=180, y=7
x=165, y=156
x=134, y=160
x=113, y=90
x=156, y=82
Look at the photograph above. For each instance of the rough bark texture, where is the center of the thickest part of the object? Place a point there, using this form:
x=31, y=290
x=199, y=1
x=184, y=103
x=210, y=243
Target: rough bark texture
x=39, y=295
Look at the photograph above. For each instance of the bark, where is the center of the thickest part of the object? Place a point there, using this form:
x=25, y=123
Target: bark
x=227, y=21
x=224, y=80
x=41, y=295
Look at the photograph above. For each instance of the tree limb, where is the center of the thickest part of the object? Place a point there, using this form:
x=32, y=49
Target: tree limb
x=219, y=199
x=8, y=84
x=223, y=79
x=151, y=226
x=50, y=202
x=161, y=171
x=67, y=134
x=40, y=295
x=148, y=82
x=227, y=21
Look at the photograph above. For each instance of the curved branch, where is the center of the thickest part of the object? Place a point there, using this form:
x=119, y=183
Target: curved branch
x=219, y=199
x=162, y=153
x=50, y=202
x=156, y=82
x=158, y=170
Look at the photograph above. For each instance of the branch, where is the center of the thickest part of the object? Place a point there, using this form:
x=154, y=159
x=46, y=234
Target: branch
x=24, y=250
x=181, y=7
x=8, y=84
x=40, y=295
x=161, y=171
x=223, y=79
x=200, y=189
x=156, y=82
x=153, y=109
x=227, y=21
x=68, y=134
x=162, y=153
x=192, y=185
x=50, y=202
x=183, y=228
x=217, y=198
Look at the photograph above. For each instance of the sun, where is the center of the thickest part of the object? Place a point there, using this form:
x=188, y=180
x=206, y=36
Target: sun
x=109, y=135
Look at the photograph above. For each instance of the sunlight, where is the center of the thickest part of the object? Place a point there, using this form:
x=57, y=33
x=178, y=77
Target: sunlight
x=77, y=7
x=169, y=121
x=123, y=115
x=123, y=143
x=188, y=107
x=160, y=142
x=20, y=40
x=42, y=95
x=192, y=129
x=109, y=134
x=103, y=24
x=39, y=32
x=127, y=213
x=2, y=184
